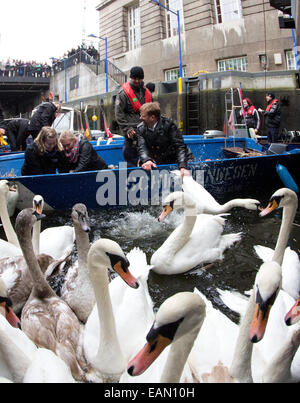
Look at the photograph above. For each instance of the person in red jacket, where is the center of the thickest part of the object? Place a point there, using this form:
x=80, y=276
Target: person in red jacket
x=130, y=98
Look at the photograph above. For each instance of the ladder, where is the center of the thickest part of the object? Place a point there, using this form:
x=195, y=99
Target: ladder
x=233, y=106
x=192, y=105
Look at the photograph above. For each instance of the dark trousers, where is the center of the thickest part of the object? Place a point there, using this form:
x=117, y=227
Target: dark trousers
x=130, y=153
x=272, y=133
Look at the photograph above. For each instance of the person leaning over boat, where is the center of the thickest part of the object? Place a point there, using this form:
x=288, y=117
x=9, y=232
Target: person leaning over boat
x=159, y=141
x=79, y=154
x=44, y=155
x=273, y=115
x=16, y=134
x=250, y=114
x=44, y=115
x=131, y=96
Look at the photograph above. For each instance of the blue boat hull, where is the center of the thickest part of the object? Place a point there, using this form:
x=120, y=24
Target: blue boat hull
x=224, y=178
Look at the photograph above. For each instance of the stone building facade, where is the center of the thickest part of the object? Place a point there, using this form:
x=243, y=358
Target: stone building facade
x=216, y=35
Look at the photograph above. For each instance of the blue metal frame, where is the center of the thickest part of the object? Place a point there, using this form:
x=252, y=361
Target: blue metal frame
x=106, y=60
x=179, y=37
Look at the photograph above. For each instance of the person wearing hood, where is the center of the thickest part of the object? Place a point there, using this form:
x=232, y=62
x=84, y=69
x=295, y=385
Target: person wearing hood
x=130, y=98
x=273, y=117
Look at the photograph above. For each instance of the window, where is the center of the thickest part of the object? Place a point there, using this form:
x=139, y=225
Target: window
x=290, y=60
x=171, y=19
x=173, y=74
x=134, y=28
x=236, y=63
x=228, y=10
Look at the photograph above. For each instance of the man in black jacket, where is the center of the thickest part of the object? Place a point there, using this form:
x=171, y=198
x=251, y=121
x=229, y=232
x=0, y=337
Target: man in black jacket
x=44, y=115
x=79, y=154
x=131, y=96
x=273, y=117
x=159, y=141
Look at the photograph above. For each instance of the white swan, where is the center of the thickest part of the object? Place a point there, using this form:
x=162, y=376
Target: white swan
x=178, y=322
x=287, y=199
x=197, y=240
x=14, y=273
x=46, y=319
x=213, y=349
x=267, y=285
x=115, y=325
x=57, y=242
x=7, y=248
x=22, y=361
x=77, y=289
x=206, y=203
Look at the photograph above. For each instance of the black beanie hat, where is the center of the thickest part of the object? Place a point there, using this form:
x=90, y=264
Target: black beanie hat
x=270, y=94
x=137, y=72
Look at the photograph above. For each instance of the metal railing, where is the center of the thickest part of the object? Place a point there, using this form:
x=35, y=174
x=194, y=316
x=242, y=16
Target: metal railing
x=25, y=70
x=98, y=66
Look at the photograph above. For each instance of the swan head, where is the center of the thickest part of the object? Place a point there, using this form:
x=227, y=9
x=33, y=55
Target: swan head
x=80, y=217
x=281, y=198
x=38, y=203
x=251, y=204
x=6, y=307
x=175, y=201
x=179, y=315
x=105, y=253
x=6, y=187
x=266, y=287
x=293, y=315
x=24, y=223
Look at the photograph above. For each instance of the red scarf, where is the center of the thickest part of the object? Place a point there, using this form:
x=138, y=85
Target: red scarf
x=74, y=153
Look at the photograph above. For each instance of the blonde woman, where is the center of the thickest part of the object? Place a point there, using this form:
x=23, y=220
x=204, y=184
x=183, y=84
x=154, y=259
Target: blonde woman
x=80, y=154
x=45, y=154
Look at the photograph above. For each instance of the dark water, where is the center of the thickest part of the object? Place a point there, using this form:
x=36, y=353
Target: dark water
x=139, y=227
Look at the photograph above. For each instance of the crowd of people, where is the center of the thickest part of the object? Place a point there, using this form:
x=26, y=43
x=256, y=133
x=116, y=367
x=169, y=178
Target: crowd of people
x=82, y=54
x=14, y=68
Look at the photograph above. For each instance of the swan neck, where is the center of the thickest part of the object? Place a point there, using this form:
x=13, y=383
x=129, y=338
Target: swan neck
x=41, y=288
x=184, y=232
x=178, y=356
x=7, y=226
x=288, y=216
x=36, y=231
x=108, y=335
x=240, y=368
x=83, y=245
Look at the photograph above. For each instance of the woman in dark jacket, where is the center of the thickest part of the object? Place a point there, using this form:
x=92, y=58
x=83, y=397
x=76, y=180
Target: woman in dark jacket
x=44, y=156
x=80, y=155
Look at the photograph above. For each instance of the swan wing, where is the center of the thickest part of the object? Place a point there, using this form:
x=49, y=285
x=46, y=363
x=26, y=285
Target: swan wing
x=57, y=241
x=46, y=367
